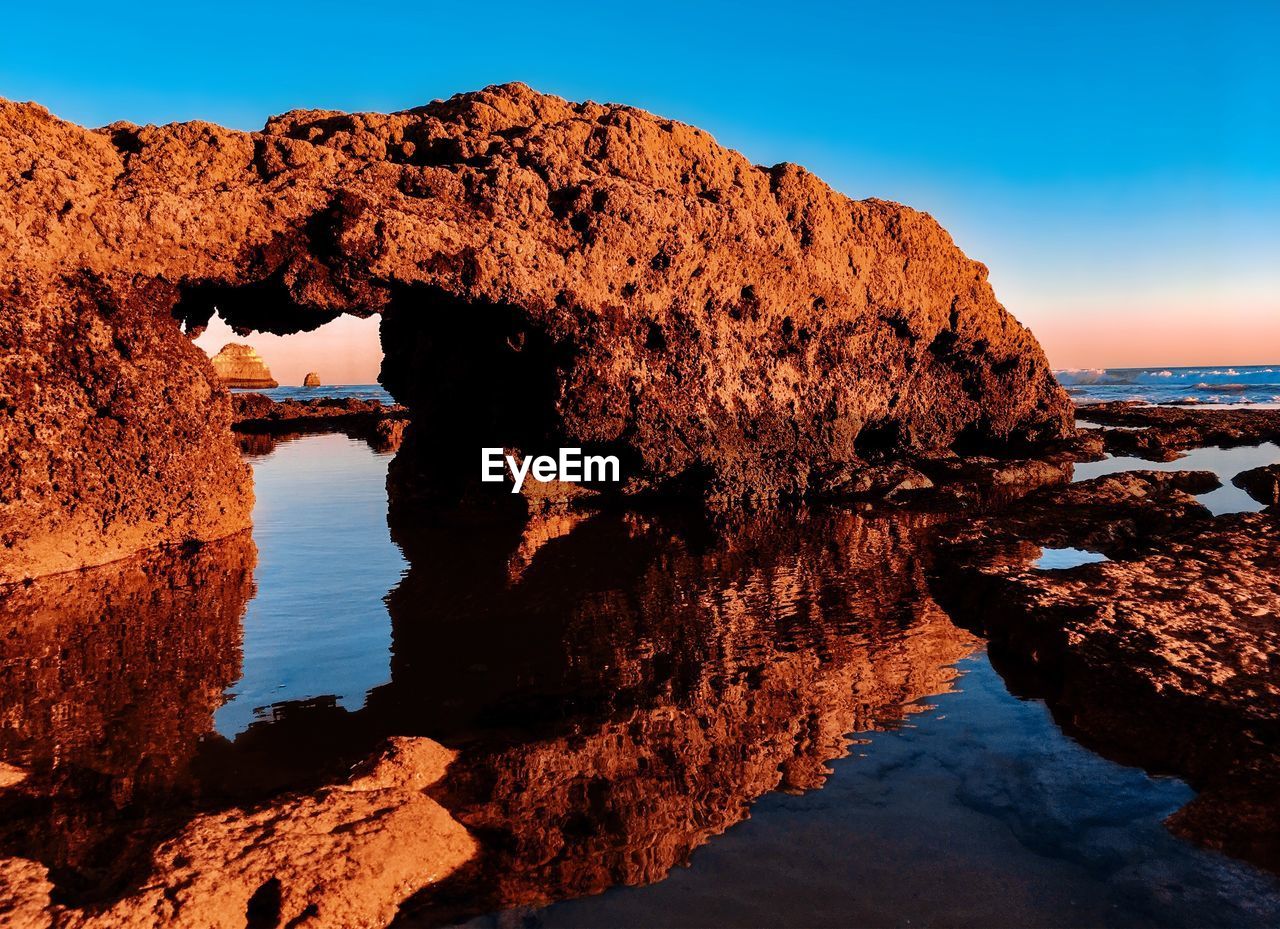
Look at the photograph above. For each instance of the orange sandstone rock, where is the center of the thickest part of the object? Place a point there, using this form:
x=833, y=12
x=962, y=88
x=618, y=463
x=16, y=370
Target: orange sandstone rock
x=549, y=273
x=344, y=856
x=241, y=366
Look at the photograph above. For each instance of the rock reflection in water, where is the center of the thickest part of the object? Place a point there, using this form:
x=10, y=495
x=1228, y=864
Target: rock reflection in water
x=641, y=681
x=620, y=688
x=110, y=678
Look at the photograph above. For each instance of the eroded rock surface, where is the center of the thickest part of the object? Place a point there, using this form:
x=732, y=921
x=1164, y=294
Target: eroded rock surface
x=1160, y=433
x=549, y=273
x=256, y=413
x=1263, y=484
x=116, y=434
x=260, y=422
x=241, y=366
x=344, y=856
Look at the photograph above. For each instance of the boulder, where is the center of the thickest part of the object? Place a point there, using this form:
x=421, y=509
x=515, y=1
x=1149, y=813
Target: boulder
x=311, y=380
x=1263, y=484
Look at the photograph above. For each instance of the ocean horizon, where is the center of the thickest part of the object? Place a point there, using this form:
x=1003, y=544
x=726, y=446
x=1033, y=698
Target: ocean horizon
x=1191, y=384
x=1221, y=385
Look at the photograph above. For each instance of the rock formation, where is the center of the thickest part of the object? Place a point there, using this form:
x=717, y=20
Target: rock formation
x=260, y=414
x=549, y=272
x=1263, y=484
x=256, y=417
x=1160, y=433
x=240, y=365
x=311, y=380
x=344, y=856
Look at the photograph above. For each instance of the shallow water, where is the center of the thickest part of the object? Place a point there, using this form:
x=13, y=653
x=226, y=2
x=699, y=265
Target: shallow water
x=317, y=626
x=976, y=813
x=660, y=721
x=1226, y=463
x=1058, y=559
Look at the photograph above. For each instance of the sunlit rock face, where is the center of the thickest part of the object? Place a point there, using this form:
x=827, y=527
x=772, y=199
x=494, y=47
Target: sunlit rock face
x=241, y=366
x=116, y=434
x=550, y=272
x=344, y=855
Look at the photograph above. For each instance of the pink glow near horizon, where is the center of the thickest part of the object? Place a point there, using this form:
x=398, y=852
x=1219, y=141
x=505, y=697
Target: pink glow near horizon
x=1093, y=335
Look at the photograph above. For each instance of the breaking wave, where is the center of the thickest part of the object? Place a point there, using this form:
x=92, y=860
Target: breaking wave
x=1233, y=385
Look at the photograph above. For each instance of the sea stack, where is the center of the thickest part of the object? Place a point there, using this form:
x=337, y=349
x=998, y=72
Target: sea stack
x=241, y=366
x=311, y=380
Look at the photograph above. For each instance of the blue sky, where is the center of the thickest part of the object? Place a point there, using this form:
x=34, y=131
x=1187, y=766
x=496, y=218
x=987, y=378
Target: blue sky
x=1116, y=165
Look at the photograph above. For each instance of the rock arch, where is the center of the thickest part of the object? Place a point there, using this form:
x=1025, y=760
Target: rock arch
x=709, y=317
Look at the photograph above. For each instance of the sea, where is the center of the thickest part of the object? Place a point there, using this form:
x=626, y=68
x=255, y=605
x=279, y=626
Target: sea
x=1235, y=385
x=341, y=391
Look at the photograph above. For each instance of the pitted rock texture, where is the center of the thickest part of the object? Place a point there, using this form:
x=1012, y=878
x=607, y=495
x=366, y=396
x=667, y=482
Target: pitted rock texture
x=1162, y=433
x=550, y=273
x=340, y=858
x=115, y=434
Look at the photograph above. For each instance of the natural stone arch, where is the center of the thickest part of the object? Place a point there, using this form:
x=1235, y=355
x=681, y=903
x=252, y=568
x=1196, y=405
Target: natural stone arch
x=722, y=323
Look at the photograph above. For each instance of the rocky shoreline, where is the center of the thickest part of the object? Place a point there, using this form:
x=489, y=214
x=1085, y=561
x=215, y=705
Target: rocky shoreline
x=745, y=339
x=626, y=284
x=260, y=422
x=1163, y=655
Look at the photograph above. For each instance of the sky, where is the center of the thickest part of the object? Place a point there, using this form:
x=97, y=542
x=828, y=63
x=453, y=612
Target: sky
x=1117, y=166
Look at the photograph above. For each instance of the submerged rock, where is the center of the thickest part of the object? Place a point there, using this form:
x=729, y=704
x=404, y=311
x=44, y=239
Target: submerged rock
x=241, y=366
x=550, y=273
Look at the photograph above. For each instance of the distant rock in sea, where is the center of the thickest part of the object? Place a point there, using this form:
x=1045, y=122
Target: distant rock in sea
x=241, y=366
x=311, y=380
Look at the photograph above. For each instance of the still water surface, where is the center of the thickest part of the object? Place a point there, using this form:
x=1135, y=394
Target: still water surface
x=957, y=802
x=660, y=720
